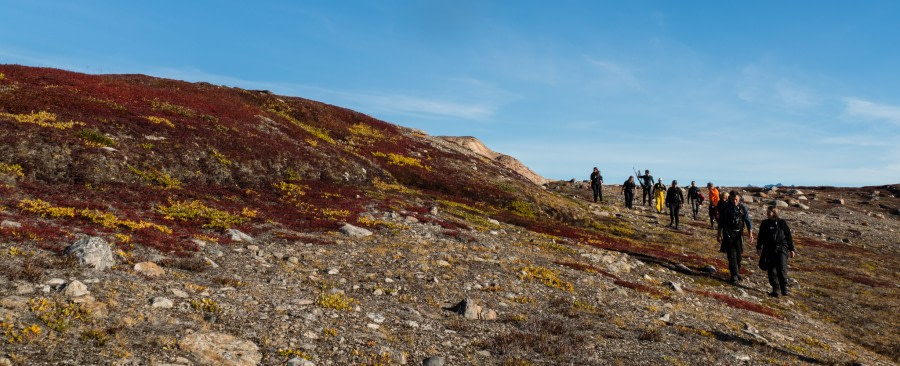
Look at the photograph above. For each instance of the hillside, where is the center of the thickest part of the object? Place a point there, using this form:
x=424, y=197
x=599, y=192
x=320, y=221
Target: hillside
x=225, y=214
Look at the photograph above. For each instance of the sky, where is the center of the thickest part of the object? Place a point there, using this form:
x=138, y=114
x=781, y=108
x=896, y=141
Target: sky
x=733, y=92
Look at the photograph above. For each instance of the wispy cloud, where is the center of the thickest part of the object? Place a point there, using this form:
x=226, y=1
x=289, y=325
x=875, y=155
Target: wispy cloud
x=371, y=102
x=613, y=74
x=759, y=86
x=859, y=108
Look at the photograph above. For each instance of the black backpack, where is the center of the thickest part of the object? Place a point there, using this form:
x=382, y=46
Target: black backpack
x=736, y=219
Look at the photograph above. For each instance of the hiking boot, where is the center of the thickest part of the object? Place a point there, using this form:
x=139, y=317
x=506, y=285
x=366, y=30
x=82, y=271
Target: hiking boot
x=773, y=293
x=785, y=293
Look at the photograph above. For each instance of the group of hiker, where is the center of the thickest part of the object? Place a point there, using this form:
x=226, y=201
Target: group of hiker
x=727, y=214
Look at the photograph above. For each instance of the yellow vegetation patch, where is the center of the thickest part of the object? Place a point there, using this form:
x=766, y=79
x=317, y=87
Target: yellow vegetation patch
x=384, y=186
x=43, y=119
x=206, y=306
x=523, y=209
x=284, y=110
x=337, y=301
x=291, y=192
x=334, y=214
x=13, y=169
x=546, y=276
x=221, y=158
x=196, y=210
x=13, y=335
x=362, y=129
x=45, y=209
x=368, y=221
x=109, y=220
x=57, y=315
x=161, y=179
x=160, y=121
x=159, y=105
x=400, y=160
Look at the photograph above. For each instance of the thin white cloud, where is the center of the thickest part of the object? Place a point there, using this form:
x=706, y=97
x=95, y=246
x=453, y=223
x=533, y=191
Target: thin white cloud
x=859, y=108
x=371, y=102
x=860, y=141
x=758, y=86
x=614, y=74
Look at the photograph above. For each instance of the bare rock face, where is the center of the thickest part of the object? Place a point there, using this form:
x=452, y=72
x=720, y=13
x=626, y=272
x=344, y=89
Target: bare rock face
x=92, y=251
x=356, y=232
x=149, y=269
x=510, y=162
x=214, y=348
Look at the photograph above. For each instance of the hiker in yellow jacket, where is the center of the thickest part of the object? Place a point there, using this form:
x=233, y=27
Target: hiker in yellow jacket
x=659, y=191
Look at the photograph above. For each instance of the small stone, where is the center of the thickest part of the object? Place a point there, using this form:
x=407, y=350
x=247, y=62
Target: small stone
x=803, y=207
x=179, y=293
x=14, y=302
x=378, y=292
x=56, y=283
x=433, y=361
x=442, y=263
x=6, y=224
x=373, y=326
x=354, y=231
x=237, y=235
x=24, y=289
x=838, y=201
x=665, y=318
x=377, y=318
x=779, y=203
x=433, y=210
x=160, y=302
x=149, y=269
x=253, y=248
x=488, y=314
x=674, y=286
x=333, y=271
x=411, y=219
x=494, y=222
x=709, y=269
x=293, y=260
x=76, y=289
x=297, y=361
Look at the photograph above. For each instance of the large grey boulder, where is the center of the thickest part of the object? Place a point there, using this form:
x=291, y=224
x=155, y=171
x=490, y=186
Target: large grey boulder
x=92, y=251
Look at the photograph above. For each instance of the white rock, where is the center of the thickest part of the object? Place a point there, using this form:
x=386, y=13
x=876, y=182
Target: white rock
x=354, y=231
x=237, y=235
x=6, y=224
x=160, y=302
x=76, y=289
x=179, y=293
x=92, y=251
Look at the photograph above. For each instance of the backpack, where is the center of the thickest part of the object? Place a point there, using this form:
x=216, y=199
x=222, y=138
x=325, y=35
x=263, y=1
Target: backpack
x=736, y=219
x=699, y=198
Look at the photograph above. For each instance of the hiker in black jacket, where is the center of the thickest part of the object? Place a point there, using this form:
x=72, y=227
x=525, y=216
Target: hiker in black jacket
x=674, y=201
x=733, y=217
x=694, y=198
x=646, y=188
x=597, y=184
x=628, y=189
x=774, y=245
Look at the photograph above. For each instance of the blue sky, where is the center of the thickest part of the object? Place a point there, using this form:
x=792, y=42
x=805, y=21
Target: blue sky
x=753, y=92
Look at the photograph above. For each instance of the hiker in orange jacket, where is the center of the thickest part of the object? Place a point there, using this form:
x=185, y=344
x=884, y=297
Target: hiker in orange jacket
x=713, y=202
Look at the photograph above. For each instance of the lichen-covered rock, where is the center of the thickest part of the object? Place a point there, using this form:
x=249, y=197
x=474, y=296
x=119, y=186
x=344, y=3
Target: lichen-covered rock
x=92, y=251
x=149, y=269
x=354, y=231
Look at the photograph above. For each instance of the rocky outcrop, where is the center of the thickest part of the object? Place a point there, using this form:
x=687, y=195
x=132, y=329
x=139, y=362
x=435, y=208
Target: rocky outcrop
x=478, y=147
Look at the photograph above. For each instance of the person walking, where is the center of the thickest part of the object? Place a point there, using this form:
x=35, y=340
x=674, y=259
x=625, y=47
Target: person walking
x=694, y=198
x=674, y=201
x=733, y=217
x=659, y=191
x=646, y=188
x=774, y=244
x=713, y=202
x=628, y=189
x=597, y=184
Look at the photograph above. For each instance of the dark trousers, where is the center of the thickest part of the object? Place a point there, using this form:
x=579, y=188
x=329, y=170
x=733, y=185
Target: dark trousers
x=646, y=196
x=778, y=271
x=673, y=214
x=695, y=207
x=712, y=215
x=629, y=197
x=733, y=247
x=598, y=192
